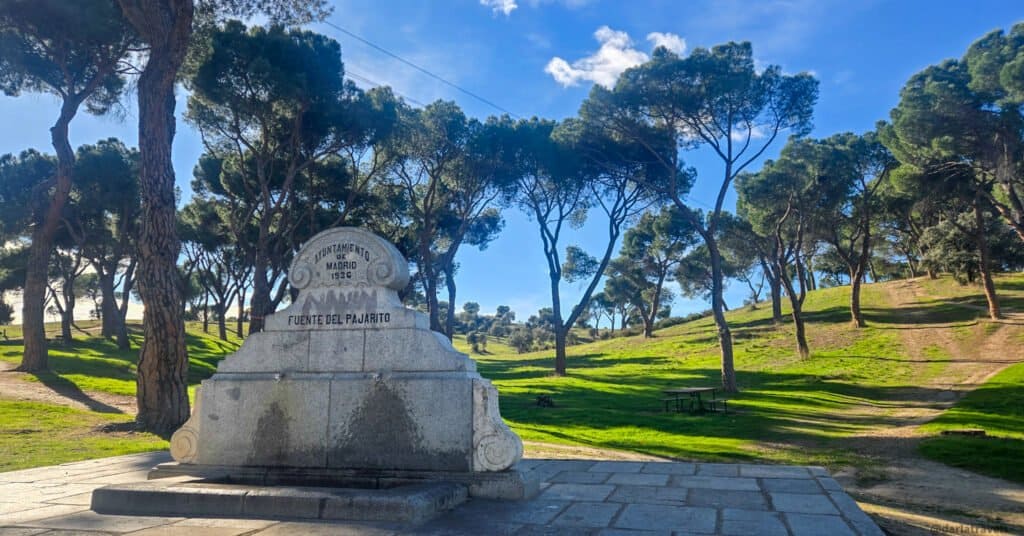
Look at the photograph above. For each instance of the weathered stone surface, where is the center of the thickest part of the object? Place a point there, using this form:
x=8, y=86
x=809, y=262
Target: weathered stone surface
x=579, y=477
x=749, y=500
x=774, y=471
x=495, y=446
x=92, y=523
x=416, y=422
x=715, y=482
x=578, y=492
x=717, y=469
x=407, y=504
x=665, y=517
x=638, y=479
x=477, y=516
x=410, y=504
x=264, y=419
x=266, y=352
x=669, y=468
x=167, y=500
x=738, y=522
x=413, y=350
x=800, y=503
x=347, y=377
x=337, y=351
x=791, y=485
x=813, y=525
x=649, y=495
x=587, y=514
x=504, y=485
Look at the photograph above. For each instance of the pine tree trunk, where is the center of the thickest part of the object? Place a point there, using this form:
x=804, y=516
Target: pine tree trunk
x=797, y=314
x=109, y=309
x=856, y=317
x=433, y=307
x=222, y=323
x=67, y=316
x=560, y=331
x=206, y=313
x=718, y=310
x=260, y=302
x=801, y=335
x=123, y=342
x=560, y=343
x=241, y=313
x=985, y=264
x=449, y=323
x=776, y=290
x=35, y=357
x=163, y=359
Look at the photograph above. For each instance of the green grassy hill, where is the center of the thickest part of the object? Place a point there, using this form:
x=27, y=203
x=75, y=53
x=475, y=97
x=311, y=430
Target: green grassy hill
x=926, y=342
x=923, y=340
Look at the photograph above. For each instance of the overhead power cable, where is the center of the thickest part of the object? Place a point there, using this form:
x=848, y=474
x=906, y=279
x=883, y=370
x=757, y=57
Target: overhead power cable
x=418, y=68
x=352, y=74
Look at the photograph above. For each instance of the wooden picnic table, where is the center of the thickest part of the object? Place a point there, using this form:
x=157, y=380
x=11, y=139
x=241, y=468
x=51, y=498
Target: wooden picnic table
x=678, y=396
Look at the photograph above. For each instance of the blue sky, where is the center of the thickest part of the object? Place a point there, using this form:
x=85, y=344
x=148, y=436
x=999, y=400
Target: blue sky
x=862, y=52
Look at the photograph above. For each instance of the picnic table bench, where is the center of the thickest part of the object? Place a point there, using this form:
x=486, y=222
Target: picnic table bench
x=682, y=396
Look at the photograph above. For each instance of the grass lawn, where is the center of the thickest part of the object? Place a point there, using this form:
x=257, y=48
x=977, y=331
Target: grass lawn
x=997, y=407
x=789, y=410
x=34, y=434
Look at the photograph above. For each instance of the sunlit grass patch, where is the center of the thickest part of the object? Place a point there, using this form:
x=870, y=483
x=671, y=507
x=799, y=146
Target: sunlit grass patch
x=34, y=434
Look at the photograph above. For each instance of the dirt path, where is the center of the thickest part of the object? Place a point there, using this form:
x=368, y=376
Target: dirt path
x=914, y=492
x=536, y=449
x=17, y=386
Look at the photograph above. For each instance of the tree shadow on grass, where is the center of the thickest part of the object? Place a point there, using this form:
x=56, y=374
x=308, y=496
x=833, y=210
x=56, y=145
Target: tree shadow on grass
x=68, y=389
x=1016, y=284
x=527, y=368
x=924, y=360
x=934, y=313
x=782, y=408
x=96, y=367
x=205, y=353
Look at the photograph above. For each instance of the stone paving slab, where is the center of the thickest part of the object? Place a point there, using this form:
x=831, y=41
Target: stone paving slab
x=585, y=497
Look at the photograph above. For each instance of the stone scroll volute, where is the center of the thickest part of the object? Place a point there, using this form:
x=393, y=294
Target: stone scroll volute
x=348, y=257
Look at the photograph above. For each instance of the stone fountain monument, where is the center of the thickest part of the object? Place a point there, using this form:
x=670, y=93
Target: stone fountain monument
x=346, y=389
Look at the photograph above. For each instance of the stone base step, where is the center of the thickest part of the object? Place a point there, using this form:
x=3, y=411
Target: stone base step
x=510, y=484
x=415, y=503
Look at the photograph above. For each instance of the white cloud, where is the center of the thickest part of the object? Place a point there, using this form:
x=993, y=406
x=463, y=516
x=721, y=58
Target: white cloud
x=604, y=66
x=505, y=7
x=740, y=134
x=668, y=40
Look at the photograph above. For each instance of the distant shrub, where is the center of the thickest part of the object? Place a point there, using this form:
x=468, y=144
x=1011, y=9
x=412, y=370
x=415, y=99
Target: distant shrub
x=676, y=320
x=669, y=322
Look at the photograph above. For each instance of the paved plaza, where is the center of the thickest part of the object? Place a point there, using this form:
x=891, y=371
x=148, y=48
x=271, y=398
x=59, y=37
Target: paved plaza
x=577, y=497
